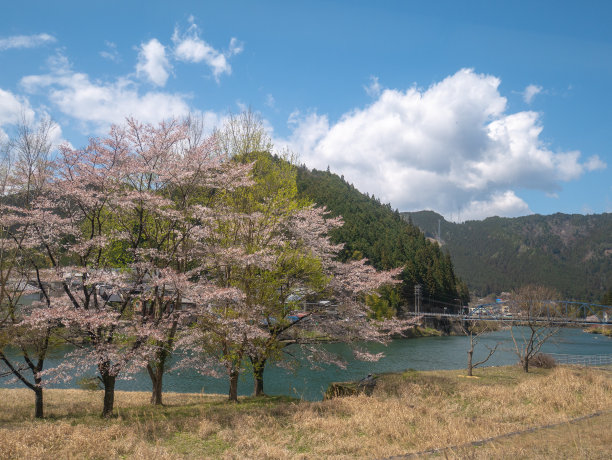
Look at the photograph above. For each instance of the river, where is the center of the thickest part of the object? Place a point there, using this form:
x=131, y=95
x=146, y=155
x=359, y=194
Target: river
x=415, y=353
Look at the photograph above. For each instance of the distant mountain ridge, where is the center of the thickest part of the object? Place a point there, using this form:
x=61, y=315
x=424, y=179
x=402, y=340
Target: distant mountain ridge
x=571, y=253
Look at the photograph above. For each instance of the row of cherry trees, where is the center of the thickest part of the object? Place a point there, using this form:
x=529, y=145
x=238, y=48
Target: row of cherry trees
x=154, y=240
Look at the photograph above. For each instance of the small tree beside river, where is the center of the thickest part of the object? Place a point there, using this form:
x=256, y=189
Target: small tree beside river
x=474, y=330
x=24, y=172
x=536, y=313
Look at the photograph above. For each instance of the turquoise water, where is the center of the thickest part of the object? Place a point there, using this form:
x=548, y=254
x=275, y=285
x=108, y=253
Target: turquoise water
x=417, y=353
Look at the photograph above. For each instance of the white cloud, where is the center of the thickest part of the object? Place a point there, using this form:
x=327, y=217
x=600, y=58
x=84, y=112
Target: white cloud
x=308, y=131
x=111, y=52
x=153, y=63
x=530, y=92
x=270, y=101
x=189, y=47
x=500, y=204
x=451, y=148
x=594, y=163
x=586, y=209
x=98, y=104
x=12, y=108
x=235, y=46
x=373, y=89
x=25, y=41
x=16, y=109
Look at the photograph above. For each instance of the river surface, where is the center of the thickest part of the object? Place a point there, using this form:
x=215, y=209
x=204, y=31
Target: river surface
x=416, y=353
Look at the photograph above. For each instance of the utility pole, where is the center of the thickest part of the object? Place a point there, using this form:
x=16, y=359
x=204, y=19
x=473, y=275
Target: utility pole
x=417, y=298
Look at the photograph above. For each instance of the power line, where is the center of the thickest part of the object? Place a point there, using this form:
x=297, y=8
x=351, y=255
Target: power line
x=417, y=298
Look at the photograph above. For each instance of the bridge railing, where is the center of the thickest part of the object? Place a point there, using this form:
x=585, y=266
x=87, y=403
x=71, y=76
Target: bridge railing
x=582, y=360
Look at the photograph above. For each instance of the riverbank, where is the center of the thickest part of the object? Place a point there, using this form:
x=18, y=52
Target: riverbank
x=603, y=330
x=439, y=326
x=408, y=412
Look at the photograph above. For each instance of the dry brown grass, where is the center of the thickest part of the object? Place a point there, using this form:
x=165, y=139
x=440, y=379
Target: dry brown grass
x=585, y=439
x=411, y=412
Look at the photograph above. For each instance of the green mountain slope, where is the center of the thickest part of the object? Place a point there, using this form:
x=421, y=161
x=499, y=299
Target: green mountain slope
x=572, y=253
x=375, y=231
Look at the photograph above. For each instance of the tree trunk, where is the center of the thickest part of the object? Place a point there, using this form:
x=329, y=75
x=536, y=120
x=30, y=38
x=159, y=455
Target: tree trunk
x=38, y=405
x=156, y=373
x=233, y=389
x=469, y=366
x=157, y=368
x=525, y=364
x=109, y=394
x=259, y=366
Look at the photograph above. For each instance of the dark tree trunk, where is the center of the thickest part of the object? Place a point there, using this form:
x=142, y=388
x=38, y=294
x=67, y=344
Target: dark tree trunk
x=38, y=405
x=233, y=389
x=157, y=368
x=530, y=348
x=259, y=365
x=156, y=373
x=469, y=366
x=109, y=394
x=36, y=387
x=38, y=393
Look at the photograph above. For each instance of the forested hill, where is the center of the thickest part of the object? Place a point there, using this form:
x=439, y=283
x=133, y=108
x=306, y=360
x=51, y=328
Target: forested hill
x=572, y=253
x=375, y=231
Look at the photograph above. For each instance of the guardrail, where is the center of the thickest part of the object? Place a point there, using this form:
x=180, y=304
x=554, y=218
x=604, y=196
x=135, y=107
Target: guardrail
x=552, y=320
x=582, y=360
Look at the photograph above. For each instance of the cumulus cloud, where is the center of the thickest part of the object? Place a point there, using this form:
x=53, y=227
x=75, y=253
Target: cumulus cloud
x=12, y=108
x=97, y=104
x=451, y=147
x=189, y=47
x=153, y=63
x=17, y=109
x=25, y=41
x=530, y=92
x=499, y=204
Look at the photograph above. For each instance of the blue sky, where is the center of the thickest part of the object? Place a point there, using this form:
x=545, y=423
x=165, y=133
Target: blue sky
x=468, y=108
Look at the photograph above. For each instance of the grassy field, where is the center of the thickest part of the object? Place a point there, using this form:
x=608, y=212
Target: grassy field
x=408, y=413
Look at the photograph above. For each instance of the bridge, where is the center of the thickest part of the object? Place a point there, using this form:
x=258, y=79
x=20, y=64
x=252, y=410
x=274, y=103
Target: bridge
x=553, y=312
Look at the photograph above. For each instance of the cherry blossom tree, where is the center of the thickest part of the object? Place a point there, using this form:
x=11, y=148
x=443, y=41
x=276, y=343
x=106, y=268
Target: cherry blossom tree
x=174, y=188
x=24, y=172
x=114, y=224
x=155, y=232
x=267, y=259
x=66, y=226
x=309, y=270
x=269, y=246
x=240, y=249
